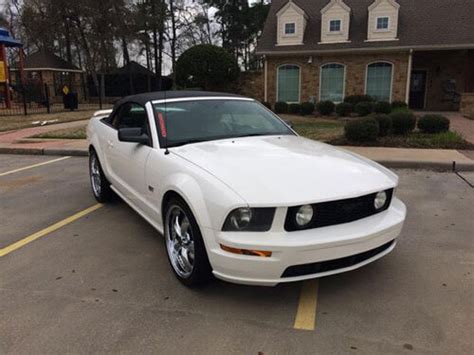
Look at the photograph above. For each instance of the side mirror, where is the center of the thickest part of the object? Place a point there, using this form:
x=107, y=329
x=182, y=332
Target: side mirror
x=133, y=135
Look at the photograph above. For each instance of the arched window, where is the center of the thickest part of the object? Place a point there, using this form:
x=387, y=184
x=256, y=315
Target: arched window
x=379, y=81
x=332, y=82
x=288, y=83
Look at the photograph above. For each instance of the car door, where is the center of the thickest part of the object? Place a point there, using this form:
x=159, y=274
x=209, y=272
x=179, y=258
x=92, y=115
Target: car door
x=107, y=139
x=128, y=160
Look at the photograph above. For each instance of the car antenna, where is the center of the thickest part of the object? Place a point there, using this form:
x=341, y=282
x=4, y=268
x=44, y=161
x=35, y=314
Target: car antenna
x=163, y=128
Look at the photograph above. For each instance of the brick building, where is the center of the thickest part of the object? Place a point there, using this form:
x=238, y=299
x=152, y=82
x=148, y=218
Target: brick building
x=420, y=52
x=44, y=67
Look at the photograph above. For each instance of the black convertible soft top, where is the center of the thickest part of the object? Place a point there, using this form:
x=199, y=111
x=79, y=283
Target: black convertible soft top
x=142, y=99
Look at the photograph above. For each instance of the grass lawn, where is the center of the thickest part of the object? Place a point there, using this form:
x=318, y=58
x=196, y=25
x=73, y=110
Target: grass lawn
x=67, y=133
x=324, y=130
x=9, y=123
x=445, y=140
x=330, y=131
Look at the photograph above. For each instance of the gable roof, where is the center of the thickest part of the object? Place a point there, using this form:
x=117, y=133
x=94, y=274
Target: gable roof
x=420, y=22
x=331, y=3
x=289, y=4
x=377, y=2
x=46, y=60
x=133, y=68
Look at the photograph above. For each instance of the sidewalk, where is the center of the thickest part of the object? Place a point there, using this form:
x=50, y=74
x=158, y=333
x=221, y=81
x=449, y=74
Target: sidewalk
x=436, y=159
x=17, y=142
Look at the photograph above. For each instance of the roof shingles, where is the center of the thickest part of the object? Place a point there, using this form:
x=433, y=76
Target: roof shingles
x=421, y=23
x=44, y=59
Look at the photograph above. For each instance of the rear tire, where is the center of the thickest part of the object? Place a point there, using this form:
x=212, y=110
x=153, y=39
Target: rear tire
x=99, y=183
x=184, y=245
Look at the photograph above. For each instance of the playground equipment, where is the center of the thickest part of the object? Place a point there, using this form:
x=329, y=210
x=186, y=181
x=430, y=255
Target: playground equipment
x=7, y=41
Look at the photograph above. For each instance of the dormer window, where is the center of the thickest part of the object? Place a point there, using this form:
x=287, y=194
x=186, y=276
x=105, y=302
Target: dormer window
x=290, y=29
x=291, y=24
x=335, y=26
x=383, y=23
x=335, y=22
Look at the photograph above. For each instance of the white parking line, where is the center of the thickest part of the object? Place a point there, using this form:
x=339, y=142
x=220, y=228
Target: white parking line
x=33, y=166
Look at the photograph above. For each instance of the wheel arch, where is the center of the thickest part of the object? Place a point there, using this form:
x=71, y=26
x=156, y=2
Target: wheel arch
x=191, y=194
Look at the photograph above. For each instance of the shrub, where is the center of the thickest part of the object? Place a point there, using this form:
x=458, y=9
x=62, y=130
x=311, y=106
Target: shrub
x=400, y=109
x=267, y=105
x=403, y=122
x=355, y=99
x=382, y=107
x=281, y=107
x=362, y=130
x=325, y=108
x=433, y=124
x=385, y=124
x=344, y=109
x=294, y=108
x=207, y=67
x=307, y=108
x=399, y=104
x=364, y=108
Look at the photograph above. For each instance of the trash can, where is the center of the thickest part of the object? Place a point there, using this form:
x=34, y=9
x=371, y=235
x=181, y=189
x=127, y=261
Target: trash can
x=70, y=101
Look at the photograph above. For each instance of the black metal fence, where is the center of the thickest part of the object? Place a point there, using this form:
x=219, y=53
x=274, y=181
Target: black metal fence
x=36, y=99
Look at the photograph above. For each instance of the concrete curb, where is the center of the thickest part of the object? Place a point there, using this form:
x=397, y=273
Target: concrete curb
x=426, y=165
x=44, y=151
x=67, y=152
x=394, y=164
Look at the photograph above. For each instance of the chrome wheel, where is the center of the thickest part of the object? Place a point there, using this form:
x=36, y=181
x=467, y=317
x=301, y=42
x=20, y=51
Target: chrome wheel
x=95, y=175
x=179, y=241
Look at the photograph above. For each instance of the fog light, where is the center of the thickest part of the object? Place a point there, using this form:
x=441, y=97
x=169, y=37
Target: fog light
x=380, y=200
x=304, y=215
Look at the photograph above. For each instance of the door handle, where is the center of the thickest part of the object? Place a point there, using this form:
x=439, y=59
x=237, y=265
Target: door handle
x=110, y=144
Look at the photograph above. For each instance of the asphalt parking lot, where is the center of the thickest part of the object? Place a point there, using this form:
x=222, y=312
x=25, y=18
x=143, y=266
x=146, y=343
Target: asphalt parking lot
x=99, y=280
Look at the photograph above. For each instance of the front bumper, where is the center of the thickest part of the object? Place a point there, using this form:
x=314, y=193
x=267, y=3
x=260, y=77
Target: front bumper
x=364, y=237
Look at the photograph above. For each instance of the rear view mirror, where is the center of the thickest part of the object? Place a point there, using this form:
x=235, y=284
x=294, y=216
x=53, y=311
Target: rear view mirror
x=133, y=135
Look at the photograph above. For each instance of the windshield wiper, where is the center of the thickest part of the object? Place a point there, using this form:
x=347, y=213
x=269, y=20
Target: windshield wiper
x=252, y=135
x=189, y=141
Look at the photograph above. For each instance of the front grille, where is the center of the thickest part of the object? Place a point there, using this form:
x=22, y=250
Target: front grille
x=337, y=212
x=330, y=265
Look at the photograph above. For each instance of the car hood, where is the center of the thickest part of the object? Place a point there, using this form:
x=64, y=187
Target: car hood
x=287, y=170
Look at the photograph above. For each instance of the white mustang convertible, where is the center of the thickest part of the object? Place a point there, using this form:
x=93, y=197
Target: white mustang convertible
x=237, y=193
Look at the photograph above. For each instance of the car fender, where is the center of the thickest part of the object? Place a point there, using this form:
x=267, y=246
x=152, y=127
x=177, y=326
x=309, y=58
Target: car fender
x=190, y=191
x=208, y=198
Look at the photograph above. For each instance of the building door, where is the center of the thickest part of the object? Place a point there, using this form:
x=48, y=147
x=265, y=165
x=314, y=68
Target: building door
x=418, y=89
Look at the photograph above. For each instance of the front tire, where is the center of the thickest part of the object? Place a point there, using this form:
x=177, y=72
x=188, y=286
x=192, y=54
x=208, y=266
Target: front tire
x=184, y=245
x=99, y=183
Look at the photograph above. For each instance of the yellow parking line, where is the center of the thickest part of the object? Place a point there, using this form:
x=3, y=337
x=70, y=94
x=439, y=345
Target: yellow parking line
x=46, y=231
x=32, y=166
x=306, y=314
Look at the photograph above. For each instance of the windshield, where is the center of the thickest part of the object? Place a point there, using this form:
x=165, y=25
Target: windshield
x=206, y=120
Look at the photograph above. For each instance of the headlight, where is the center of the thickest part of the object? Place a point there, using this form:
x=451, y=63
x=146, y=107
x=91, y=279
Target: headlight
x=246, y=219
x=304, y=215
x=380, y=200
